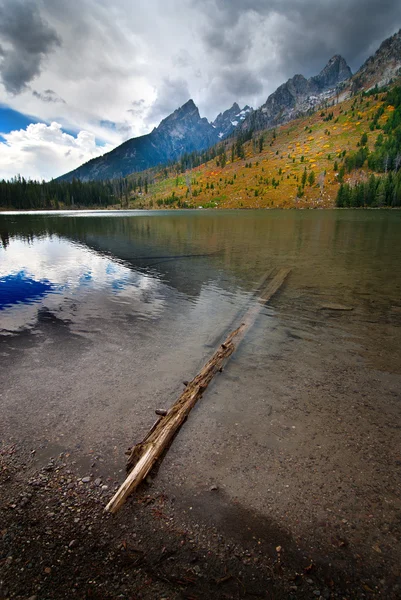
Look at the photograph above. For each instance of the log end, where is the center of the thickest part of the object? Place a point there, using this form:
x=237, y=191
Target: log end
x=161, y=412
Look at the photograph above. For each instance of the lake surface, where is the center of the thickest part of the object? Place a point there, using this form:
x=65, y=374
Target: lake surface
x=92, y=267
x=104, y=314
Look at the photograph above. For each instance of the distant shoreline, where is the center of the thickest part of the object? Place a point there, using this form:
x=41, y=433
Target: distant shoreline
x=138, y=210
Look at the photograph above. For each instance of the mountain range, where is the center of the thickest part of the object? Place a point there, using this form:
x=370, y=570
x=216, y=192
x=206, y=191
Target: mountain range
x=186, y=131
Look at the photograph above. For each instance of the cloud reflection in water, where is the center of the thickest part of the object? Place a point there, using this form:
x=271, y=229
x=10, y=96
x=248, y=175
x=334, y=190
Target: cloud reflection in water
x=62, y=276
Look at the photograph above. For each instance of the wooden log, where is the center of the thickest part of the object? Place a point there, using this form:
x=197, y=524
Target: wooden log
x=145, y=454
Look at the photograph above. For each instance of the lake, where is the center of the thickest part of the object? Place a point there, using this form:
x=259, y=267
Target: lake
x=104, y=314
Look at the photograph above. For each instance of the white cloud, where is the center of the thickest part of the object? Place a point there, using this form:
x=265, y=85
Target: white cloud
x=45, y=151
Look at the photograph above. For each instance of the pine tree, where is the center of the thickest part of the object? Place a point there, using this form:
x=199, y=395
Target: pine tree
x=380, y=197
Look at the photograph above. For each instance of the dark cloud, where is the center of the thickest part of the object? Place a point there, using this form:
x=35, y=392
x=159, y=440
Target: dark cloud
x=48, y=96
x=230, y=47
x=300, y=35
x=27, y=40
x=238, y=80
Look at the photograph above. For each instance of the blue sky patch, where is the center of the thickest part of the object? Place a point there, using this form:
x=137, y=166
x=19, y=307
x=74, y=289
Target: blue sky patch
x=10, y=120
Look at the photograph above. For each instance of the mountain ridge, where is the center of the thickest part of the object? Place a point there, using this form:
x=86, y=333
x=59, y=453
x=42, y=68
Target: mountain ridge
x=381, y=66
x=182, y=131
x=185, y=131
x=298, y=95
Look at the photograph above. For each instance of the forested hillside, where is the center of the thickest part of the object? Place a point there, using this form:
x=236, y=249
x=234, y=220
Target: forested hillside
x=384, y=158
x=301, y=164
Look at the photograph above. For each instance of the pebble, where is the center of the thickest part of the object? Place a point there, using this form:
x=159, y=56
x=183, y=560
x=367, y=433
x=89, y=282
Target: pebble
x=98, y=481
x=316, y=592
x=85, y=479
x=214, y=488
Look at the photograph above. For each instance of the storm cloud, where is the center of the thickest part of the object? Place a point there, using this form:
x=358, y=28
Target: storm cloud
x=299, y=36
x=27, y=40
x=215, y=51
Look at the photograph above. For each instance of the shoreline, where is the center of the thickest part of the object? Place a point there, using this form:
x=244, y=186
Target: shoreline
x=189, y=210
x=57, y=542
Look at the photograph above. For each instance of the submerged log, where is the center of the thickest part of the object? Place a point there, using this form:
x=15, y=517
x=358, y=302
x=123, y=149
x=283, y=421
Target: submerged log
x=335, y=306
x=145, y=454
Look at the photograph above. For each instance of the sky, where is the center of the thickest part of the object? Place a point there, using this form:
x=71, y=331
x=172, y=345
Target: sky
x=79, y=77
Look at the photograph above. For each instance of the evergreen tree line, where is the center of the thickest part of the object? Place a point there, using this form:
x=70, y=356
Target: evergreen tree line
x=376, y=192
x=21, y=193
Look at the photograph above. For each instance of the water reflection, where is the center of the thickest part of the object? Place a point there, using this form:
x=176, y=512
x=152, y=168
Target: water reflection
x=124, y=307
x=19, y=288
x=59, y=275
x=129, y=265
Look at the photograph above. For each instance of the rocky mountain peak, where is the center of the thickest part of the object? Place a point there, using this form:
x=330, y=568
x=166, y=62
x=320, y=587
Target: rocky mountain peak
x=336, y=71
x=182, y=131
x=188, y=107
x=382, y=66
x=226, y=122
x=188, y=112
x=391, y=44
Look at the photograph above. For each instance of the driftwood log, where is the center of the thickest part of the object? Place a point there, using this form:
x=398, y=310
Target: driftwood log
x=145, y=454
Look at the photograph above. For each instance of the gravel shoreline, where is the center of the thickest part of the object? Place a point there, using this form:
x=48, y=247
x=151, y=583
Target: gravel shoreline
x=57, y=542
